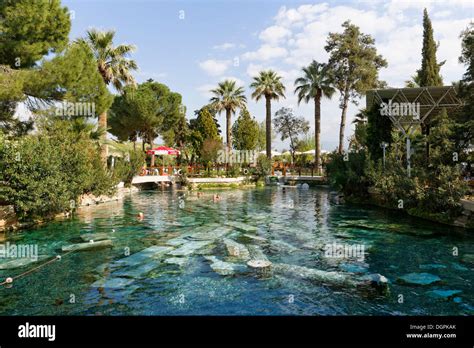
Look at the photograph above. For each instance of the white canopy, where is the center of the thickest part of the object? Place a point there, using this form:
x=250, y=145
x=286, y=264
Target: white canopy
x=274, y=153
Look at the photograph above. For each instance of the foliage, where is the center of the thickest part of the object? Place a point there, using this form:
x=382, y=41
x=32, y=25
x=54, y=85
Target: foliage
x=201, y=128
x=429, y=75
x=264, y=166
x=228, y=97
x=349, y=176
x=379, y=129
x=355, y=63
x=268, y=84
x=316, y=83
x=262, y=136
x=146, y=110
x=31, y=29
x=233, y=170
x=464, y=128
x=113, y=63
x=128, y=167
x=70, y=76
x=44, y=173
x=245, y=131
x=209, y=150
x=290, y=127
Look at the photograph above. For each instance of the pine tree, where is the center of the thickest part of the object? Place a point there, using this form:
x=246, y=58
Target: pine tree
x=245, y=131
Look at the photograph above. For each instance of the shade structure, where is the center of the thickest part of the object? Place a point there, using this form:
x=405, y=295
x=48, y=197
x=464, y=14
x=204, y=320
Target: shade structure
x=163, y=150
x=312, y=152
x=274, y=153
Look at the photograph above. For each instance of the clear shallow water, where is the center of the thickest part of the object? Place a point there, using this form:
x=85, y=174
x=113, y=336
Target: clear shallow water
x=394, y=246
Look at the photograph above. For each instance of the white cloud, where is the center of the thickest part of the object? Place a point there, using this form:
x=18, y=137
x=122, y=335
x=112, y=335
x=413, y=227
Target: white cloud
x=205, y=90
x=238, y=82
x=442, y=14
x=254, y=69
x=296, y=16
x=224, y=46
x=215, y=67
x=298, y=34
x=274, y=34
x=266, y=52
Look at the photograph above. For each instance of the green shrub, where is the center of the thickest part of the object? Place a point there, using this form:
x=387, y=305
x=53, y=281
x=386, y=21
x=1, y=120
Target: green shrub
x=233, y=171
x=127, y=168
x=45, y=173
x=264, y=166
x=350, y=176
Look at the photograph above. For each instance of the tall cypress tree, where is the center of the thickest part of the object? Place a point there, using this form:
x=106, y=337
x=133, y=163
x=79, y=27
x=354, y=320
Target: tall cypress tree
x=429, y=75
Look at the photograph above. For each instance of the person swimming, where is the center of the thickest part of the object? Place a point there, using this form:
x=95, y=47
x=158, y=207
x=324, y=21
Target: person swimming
x=140, y=216
x=216, y=198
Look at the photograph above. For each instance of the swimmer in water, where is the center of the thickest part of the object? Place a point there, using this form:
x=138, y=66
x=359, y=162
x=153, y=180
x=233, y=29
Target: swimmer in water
x=140, y=216
x=216, y=198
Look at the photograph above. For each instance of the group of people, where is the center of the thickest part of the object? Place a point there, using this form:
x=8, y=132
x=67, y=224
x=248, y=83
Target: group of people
x=215, y=197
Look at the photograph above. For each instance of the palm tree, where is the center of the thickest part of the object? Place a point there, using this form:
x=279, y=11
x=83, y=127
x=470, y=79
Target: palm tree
x=268, y=84
x=228, y=97
x=114, y=66
x=315, y=83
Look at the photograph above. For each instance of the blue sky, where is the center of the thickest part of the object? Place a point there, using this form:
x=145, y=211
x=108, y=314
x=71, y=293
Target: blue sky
x=191, y=45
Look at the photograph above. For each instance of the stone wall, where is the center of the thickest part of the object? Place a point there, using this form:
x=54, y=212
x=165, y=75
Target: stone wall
x=89, y=199
x=7, y=216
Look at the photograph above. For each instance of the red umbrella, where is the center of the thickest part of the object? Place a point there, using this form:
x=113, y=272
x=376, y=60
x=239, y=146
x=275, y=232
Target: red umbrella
x=163, y=150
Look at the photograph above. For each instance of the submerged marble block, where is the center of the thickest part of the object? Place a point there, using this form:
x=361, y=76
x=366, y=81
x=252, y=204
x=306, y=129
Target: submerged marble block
x=236, y=249
x=137, y=271
x=443, y=294
x=241, y=226
x=189, y=248
x=86, y=237
x=332, y=278
x=421, y=279
x=282, y=246
x=19, y=262
x=213, y=234
x=257, y=238
x=180, y=261
x=88, y=246
x=152, y=252
x=112, y=283
x=256, y=253
x=224, y=268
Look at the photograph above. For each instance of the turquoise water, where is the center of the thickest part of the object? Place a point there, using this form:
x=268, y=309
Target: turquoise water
x=295, y=224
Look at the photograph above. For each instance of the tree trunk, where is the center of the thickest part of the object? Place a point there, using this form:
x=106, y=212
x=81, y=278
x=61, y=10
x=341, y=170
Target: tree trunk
x=102, y=125
x=150, y=139
x=317, y=132
x=228, y=116
x=425, y=130
x=268, y=123
x=343, y=121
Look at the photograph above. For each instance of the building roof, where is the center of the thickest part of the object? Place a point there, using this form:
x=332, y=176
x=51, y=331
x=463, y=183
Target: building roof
x=431, y=101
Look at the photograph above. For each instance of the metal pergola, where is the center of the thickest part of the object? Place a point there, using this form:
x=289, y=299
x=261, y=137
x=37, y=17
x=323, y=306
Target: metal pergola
x=431, y=100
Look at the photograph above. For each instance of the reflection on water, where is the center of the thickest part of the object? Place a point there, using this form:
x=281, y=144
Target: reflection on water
x=289, y=226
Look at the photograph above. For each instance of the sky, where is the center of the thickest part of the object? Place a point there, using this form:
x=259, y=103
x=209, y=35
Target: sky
x=192, y=45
